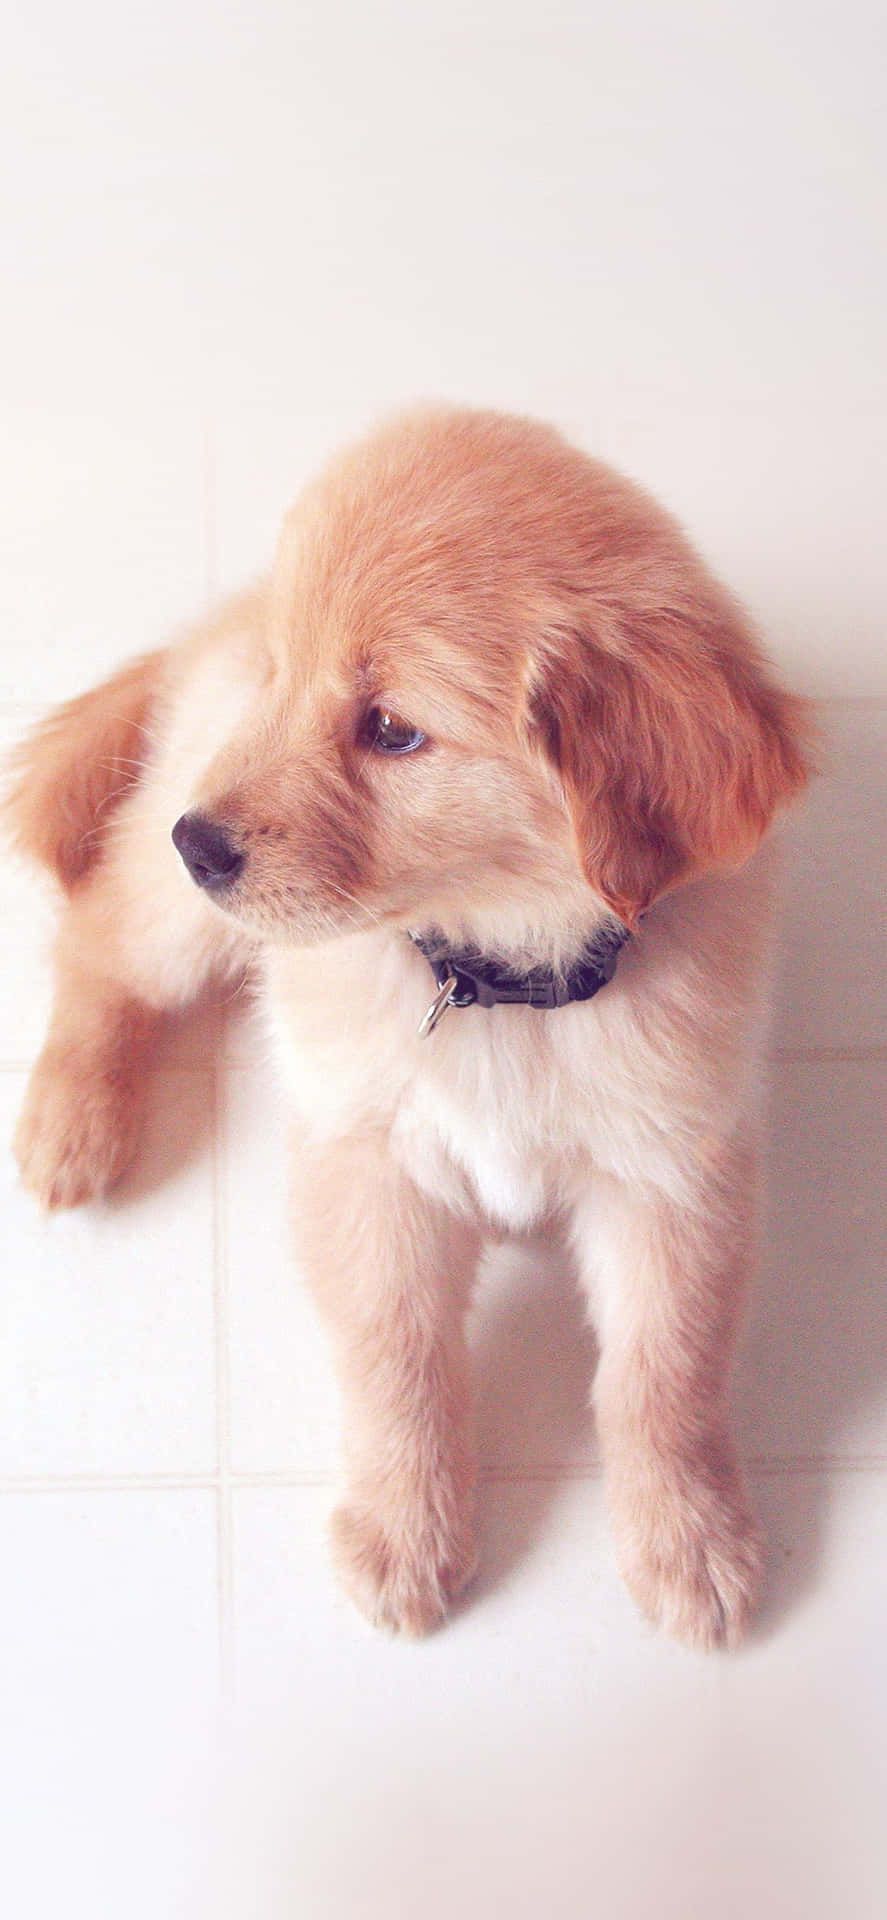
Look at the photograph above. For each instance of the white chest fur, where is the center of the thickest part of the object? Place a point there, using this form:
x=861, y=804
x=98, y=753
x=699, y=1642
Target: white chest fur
x=500, y=1109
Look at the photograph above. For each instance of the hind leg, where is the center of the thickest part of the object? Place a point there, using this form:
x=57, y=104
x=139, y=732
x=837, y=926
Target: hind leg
x=136, y=941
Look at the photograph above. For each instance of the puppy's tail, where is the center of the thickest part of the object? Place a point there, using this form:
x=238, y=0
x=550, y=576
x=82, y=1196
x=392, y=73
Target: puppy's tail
x=67, y=776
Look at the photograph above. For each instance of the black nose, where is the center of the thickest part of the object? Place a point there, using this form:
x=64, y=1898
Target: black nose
x=207, y=852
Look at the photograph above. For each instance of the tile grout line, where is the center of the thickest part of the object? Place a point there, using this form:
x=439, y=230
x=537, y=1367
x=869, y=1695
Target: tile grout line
x=12, y=1483
x=209, y=514
x=840, y=704
x=221, y=1289
x=224, y=1514
x=810, y=1056
x=765, y=1465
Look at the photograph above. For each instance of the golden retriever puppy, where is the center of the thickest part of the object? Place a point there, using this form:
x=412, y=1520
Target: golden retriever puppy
x=474, y=781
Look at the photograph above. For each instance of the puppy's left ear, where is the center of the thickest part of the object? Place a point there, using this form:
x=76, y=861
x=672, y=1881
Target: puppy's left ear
x=674, y=746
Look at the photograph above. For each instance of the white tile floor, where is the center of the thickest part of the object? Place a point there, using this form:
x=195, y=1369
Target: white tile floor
x=236, y=234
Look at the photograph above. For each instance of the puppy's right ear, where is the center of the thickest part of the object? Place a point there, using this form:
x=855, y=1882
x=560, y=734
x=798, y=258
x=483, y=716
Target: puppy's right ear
x=68, y=774
x=674, y=747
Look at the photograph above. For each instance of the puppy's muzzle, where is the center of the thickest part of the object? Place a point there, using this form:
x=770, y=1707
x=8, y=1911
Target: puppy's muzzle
x=209, y=855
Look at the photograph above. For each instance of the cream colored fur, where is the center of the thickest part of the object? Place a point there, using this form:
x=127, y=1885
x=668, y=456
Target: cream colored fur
x=629, y=1123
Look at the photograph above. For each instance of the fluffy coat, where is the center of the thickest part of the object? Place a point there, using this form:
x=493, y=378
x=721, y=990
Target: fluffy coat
x=602, y=738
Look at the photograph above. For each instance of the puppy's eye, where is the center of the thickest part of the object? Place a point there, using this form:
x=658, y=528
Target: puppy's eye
x=389, y=733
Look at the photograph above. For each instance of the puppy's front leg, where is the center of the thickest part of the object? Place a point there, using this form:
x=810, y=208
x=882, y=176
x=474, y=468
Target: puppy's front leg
x=391, y=1271
x=79, y=1126
x=666, y=1282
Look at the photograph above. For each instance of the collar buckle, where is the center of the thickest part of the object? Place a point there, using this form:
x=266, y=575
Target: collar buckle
x=468, y=980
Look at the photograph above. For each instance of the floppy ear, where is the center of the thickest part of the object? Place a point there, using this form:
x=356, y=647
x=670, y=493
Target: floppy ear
x=674, y=745
x=69, y=774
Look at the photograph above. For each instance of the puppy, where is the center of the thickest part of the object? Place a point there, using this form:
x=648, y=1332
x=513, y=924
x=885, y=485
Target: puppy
x=473, y=781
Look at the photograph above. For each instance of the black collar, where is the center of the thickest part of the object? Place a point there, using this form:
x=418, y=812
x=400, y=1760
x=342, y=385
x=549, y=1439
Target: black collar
x=471, y=979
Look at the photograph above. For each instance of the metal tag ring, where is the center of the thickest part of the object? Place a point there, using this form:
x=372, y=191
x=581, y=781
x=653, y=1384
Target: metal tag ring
x=438, y=1007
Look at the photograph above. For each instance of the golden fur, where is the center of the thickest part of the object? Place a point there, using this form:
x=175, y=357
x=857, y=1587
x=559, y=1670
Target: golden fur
x=603, y=737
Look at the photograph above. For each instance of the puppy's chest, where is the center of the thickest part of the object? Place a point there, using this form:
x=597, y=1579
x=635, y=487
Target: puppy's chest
x=489, y=1111
x=497, y=1131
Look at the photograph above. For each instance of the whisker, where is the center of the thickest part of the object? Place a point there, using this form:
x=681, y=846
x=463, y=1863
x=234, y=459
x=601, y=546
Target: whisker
x=149, y=732
x=359, y=904
x=241, y=987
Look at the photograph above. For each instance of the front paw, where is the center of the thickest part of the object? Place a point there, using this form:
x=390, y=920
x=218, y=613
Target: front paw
x=691, y=1554
x=78, y=1128
x=402, y=1567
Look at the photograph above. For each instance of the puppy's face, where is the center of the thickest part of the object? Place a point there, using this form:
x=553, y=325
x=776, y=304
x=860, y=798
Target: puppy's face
x=477, y=716
x=381, y=778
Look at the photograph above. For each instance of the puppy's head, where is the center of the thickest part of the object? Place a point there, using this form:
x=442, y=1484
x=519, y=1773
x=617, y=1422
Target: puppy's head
x=505, y=697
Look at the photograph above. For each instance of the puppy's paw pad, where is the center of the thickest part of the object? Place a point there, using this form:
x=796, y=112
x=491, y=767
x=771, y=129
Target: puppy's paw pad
x=77, y=1131
x=698, y=1576
x=399, y=1581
